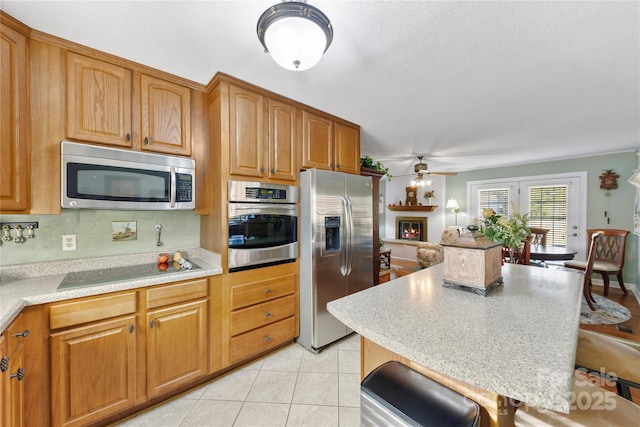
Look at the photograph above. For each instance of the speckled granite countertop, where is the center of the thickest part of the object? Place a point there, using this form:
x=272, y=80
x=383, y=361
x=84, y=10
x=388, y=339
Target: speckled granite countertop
x=32, y=284
x=519, y=342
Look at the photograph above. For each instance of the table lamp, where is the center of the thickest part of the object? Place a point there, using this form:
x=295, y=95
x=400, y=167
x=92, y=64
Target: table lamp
x=453, y=205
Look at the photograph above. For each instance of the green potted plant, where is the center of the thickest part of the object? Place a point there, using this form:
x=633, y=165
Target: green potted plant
x=368, y=163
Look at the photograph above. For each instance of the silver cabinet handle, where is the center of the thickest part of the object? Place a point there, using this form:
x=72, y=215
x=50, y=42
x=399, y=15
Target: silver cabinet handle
x=19, y=375
x=267, y=291
x=267, y=339
x=267, y=314
x=152, y=323
x=22, y=334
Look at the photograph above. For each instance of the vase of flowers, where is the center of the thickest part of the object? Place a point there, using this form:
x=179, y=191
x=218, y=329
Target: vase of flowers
x=429, y=195
x=509, y=230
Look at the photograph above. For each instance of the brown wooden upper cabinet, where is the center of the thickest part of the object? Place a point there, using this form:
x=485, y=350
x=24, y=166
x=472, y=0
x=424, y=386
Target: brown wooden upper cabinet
x=329, y=145
x=262, y=136
x=14, y=121
x=100, y=96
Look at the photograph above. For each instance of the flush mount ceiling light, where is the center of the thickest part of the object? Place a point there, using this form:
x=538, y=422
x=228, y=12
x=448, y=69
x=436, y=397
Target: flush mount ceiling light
x=295, y=34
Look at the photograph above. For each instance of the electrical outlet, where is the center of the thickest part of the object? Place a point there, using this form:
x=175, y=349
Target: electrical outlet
x=69, y=242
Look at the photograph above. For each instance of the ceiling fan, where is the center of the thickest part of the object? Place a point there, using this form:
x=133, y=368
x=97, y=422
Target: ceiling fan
x=421, y=170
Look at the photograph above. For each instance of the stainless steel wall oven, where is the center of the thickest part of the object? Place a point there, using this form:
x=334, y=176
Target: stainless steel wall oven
x=263, y=224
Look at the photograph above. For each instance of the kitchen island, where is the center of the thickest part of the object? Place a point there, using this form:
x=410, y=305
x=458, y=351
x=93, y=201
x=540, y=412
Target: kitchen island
x=515, y=345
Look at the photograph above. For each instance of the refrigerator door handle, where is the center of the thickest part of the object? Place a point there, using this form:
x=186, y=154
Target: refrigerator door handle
x=344, y=231
x=349, y=222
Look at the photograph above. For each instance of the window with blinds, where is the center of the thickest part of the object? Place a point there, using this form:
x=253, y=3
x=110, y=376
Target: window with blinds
x=548, y=206
x=496, y=199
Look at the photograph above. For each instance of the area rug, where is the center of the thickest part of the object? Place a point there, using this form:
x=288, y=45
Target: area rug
x=607, y=312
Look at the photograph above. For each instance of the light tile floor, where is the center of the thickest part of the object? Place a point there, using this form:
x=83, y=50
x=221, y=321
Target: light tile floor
x=290, y=387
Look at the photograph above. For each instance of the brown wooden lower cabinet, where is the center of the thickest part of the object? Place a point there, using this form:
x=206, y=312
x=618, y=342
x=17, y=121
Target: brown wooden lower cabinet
x=112, y=354
x=98, y=349
x=261, y=308
x=176, y=346
x=93, y=371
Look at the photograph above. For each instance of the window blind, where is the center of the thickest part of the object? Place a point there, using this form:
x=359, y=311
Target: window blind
x=548, y=207
x=496, y=199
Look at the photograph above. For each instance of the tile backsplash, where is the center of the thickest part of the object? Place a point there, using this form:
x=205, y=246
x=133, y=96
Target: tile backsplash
x=93, y=230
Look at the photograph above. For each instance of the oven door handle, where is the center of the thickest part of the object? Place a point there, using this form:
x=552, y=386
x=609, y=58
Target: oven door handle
x=261, y=209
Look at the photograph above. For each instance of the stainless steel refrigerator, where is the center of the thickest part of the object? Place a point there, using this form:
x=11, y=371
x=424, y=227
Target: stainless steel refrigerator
x=336, y=249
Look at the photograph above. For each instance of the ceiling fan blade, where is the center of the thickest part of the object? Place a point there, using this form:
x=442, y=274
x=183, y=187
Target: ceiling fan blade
x=442, y=173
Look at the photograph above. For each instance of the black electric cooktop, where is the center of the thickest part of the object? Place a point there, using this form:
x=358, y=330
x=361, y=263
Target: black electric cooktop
x=129, y=272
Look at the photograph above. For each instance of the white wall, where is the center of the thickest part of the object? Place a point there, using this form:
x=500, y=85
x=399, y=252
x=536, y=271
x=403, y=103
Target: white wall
x=395, y=191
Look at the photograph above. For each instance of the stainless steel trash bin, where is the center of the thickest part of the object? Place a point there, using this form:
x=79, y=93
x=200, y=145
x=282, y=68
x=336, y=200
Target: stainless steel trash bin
x=395, y=395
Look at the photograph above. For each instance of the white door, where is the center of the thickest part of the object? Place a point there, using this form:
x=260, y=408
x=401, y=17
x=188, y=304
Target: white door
x=556, y=201
x=556, y=204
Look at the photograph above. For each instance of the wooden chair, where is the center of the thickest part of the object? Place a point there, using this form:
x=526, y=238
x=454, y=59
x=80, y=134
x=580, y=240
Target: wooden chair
x=596, y=354
x=609, y=257
x=612, y=358
x=521, y=255
x=539, y=236
x=593, y=406
x=588, y=269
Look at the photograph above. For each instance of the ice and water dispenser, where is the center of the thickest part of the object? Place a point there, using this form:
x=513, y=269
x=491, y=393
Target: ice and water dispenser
x=332, y=233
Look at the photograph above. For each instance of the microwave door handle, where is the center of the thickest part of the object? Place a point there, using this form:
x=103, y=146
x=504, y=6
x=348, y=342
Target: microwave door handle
x=174, y=189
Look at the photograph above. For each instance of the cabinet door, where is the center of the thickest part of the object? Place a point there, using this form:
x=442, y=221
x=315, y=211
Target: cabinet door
x=93, y=371
x=347, y=148
x=166, y=116
x=246, y=133
x=4, y=382
x=176, y=346
x=317, y=142
x=282, y=141
x=15, y=377
x=98, y=101
x=14, y=122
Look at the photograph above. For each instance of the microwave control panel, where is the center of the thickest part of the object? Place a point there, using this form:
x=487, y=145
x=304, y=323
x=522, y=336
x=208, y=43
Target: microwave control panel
x=185, y=187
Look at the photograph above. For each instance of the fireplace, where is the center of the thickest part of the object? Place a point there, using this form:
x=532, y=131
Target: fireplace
x=411, y=228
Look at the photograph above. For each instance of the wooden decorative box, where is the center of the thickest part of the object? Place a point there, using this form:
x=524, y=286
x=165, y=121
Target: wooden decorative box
x=473, y=262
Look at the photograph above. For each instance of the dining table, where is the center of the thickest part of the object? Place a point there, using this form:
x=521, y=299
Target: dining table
x=551, y=253
x=515, y=346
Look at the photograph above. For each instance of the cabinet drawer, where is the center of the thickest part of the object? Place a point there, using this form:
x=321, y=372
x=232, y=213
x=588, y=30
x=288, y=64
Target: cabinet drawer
x=262, y=339
x=16, y=333
x=177, y=293
x=262, y=314
x=261, y=291
x=72, y=313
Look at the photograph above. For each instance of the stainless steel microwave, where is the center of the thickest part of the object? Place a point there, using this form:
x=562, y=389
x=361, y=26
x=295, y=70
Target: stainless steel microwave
x=97, y=177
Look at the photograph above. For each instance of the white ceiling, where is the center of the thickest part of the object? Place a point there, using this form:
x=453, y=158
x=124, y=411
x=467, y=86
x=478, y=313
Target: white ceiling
x=468, y=84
